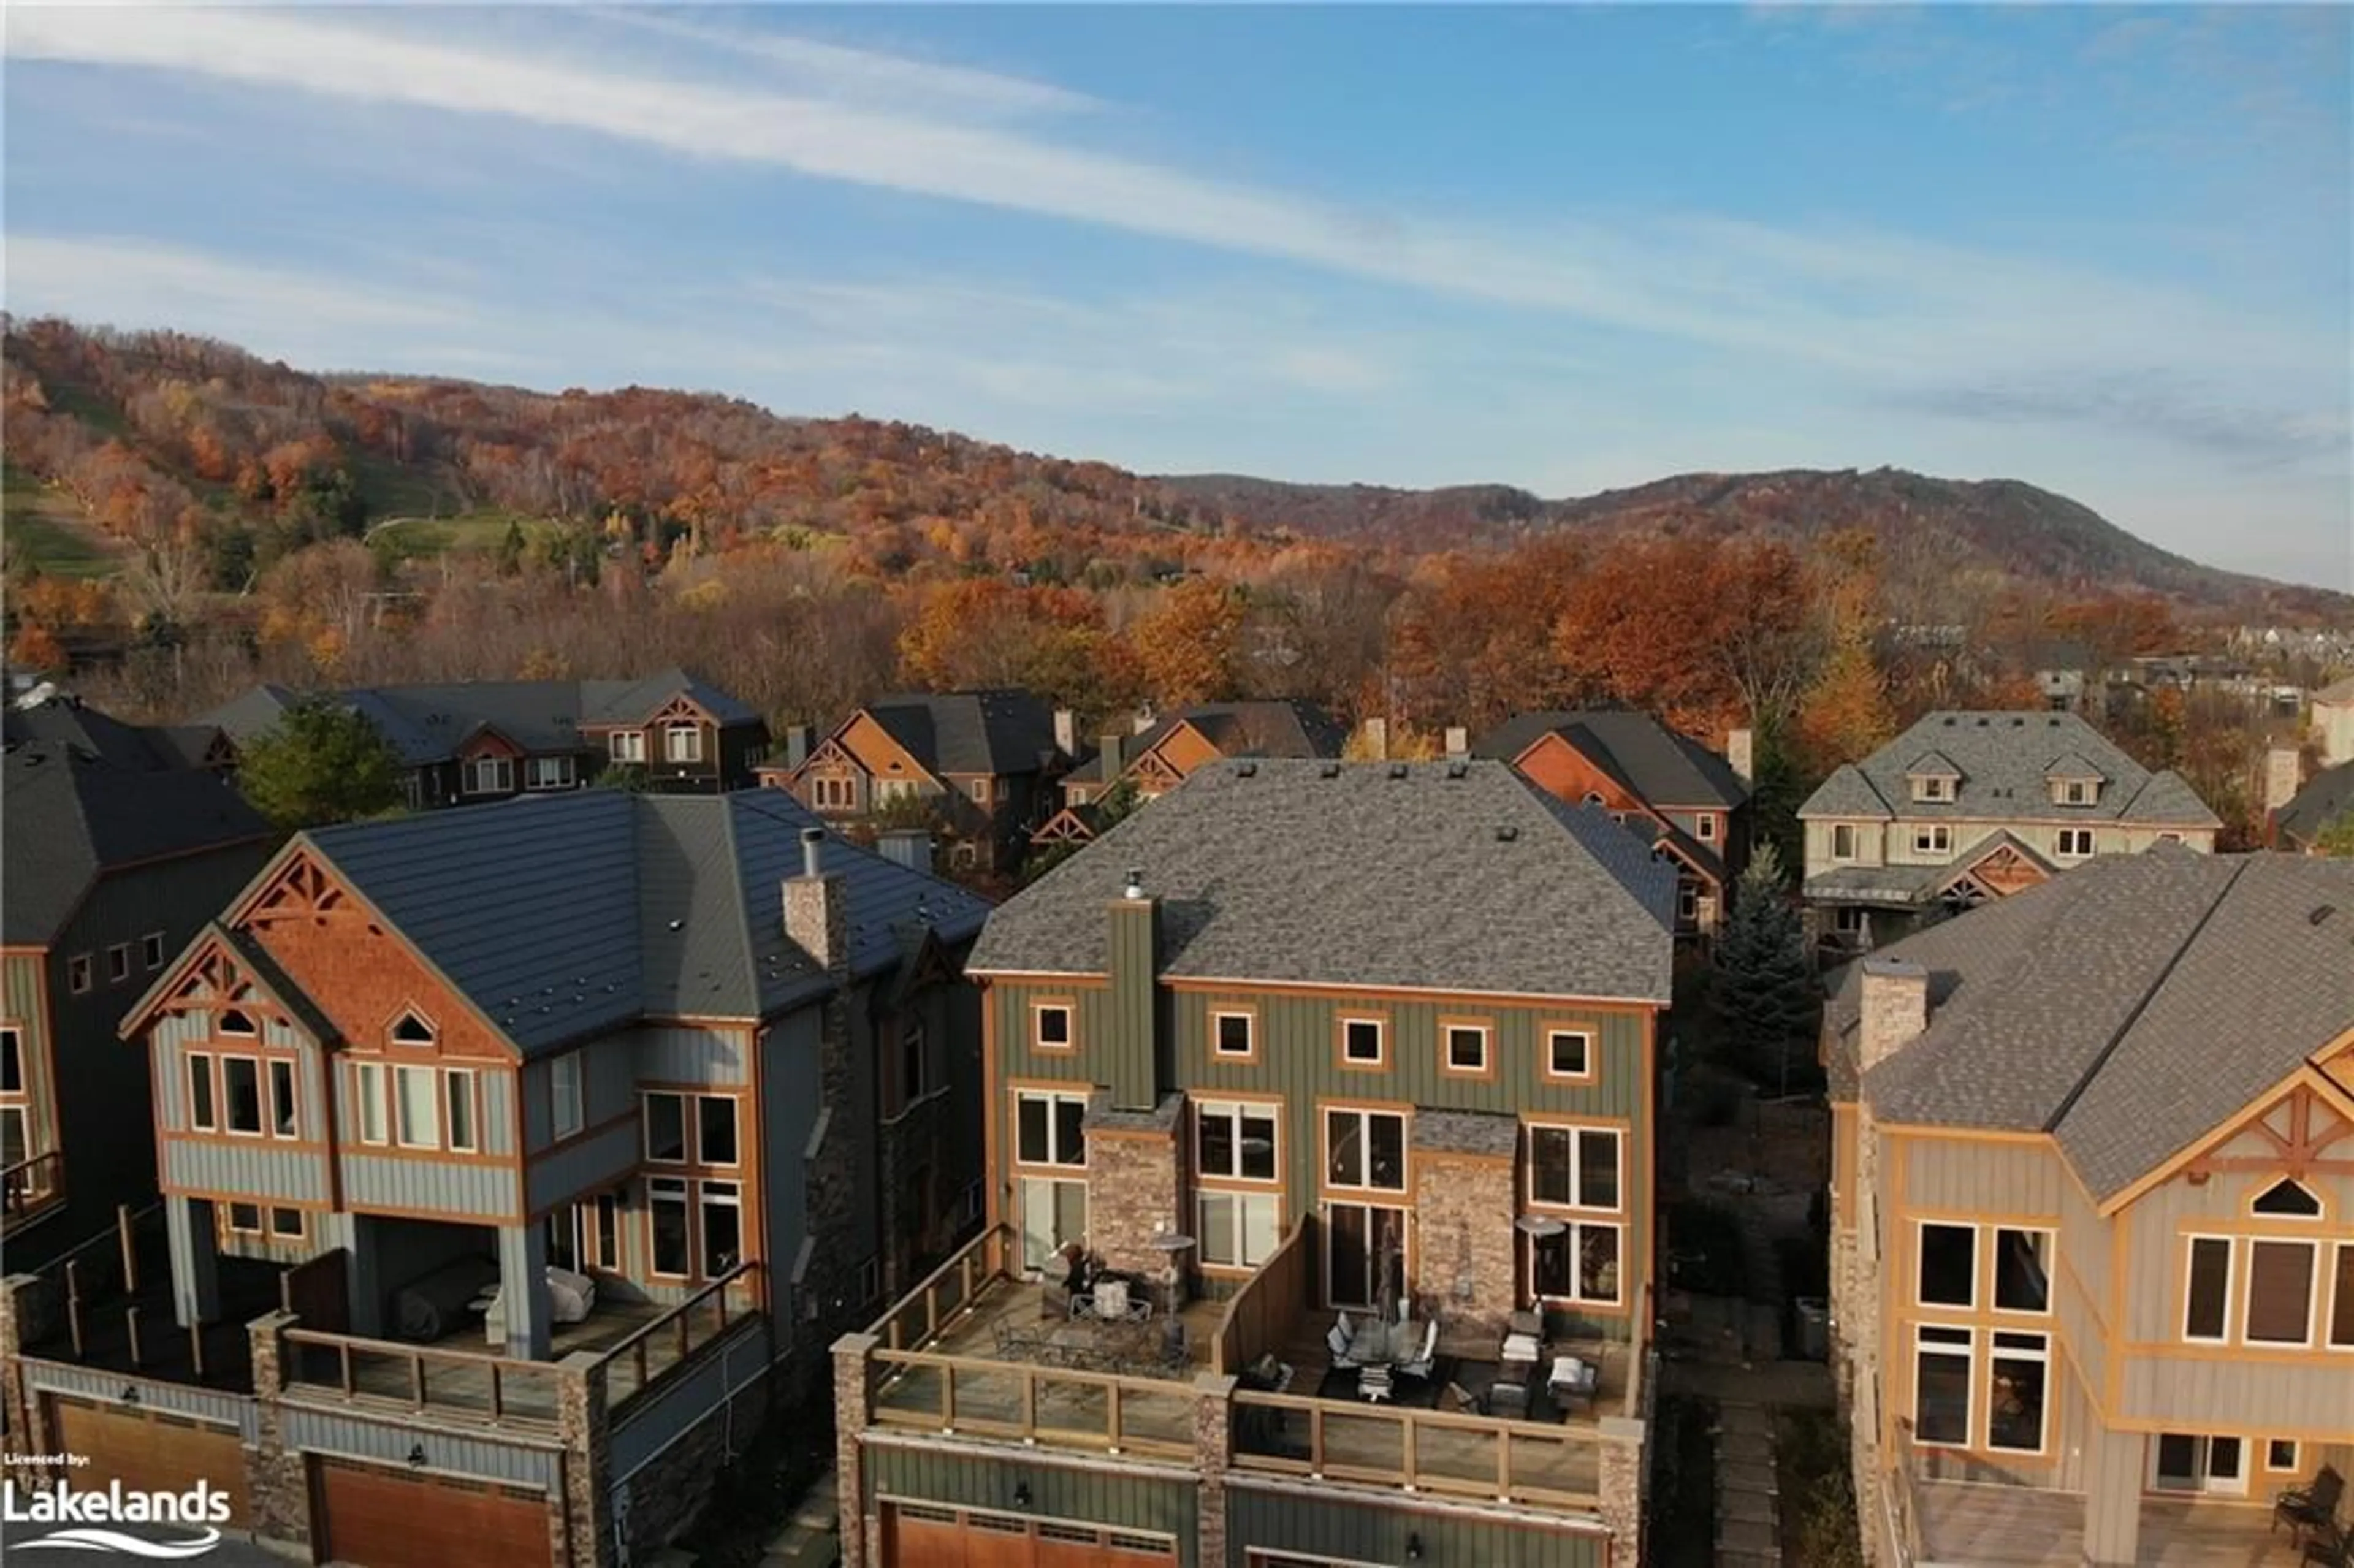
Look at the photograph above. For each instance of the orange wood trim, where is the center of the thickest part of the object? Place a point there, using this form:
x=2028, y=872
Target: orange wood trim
x=1546, y=1028
x=1375, y=995
x=1217, y=1009
x=1486, y=1027
x=993, y=1108
x=1070, y=1007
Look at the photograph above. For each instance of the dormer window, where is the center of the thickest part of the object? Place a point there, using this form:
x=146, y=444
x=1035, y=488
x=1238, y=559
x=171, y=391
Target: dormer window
x=2075, y=792
x=1933, y=787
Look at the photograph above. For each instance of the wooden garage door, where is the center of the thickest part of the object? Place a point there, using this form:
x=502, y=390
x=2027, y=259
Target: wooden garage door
x=924, y=1535
x=149, y=1450
x=378, y=1517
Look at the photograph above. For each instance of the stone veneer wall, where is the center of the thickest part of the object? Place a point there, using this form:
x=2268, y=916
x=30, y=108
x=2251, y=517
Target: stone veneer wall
x=1463, y=1237
x=1136, y=1191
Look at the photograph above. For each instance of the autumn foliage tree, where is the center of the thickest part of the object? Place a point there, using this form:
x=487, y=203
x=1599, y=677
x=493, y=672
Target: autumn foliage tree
x=1188, y=646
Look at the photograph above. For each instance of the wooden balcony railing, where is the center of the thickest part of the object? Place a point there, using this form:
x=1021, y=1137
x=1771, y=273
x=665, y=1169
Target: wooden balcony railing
x=497, y=1388
x=1097, y=1412
x=31, y=1185
x=1260, y=1315
x=949, y=1291
x=648, y=1356
x=1419, y=1450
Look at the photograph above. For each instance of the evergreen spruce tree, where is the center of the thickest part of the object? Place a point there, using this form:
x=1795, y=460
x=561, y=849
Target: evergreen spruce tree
x=1765, y=992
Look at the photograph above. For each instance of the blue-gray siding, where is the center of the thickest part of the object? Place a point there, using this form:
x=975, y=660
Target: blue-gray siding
x=731, y=1371
x=233, y=1410
x=254, y=1169
x=593, y=1162
x=326, y=1432
x=674, y=1053
x=789, y=1093
x=1122, y=1497
x=425, y=1186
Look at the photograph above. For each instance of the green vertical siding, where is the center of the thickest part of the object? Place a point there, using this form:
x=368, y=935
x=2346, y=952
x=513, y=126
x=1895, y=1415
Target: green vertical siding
x=962, y=1478
x=1131, y=1045
x=1370, y=1527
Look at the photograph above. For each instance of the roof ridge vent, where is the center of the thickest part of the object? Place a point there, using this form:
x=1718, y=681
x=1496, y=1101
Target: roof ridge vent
x=1329, y=770
x=1506, y=833
x=1397, y=770
x=1459, y=769
x=1245, y=770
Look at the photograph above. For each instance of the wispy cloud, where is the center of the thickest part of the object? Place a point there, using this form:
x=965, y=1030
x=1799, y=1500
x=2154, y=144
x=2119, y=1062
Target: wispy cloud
x=2154, y=408
x=94, y=276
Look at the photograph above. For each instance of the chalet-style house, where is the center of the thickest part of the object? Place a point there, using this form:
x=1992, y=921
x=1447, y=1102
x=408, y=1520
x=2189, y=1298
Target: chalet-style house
x=2298, y=823
x=1966, y=807
x=45, y=712
x=1159, y=755
x=475, y=741
x=2093, y=1217
x=2333, y=722
x=1691, y=802
x=982, y=765
x=515, y=1161
x=109, y=871
x=1319, y=1222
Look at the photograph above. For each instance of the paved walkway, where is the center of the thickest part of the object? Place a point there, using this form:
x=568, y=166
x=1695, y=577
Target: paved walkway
x=810, y=1539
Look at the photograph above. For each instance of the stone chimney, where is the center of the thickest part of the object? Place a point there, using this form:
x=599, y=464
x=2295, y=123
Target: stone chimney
x=1741, y=753
x=1895, y=1008
x=2283, y=775
x=1067, y=732
x=817, y=908
x=1458, y=741
x=1133, y=1002
x=1377, y=740
x=910, y=847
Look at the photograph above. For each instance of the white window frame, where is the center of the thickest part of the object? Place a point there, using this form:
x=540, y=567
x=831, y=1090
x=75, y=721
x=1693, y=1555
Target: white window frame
x=549, y=773
x=1450, y=1066
x=1990, y=1241
x=1552, y=1057
x=1921, y=1229
x=2231, y=1288
x=402, y=1075
x=565, y=1091
x=1933, y=838
x=1249, y=1022
x=151, y=950
x=2341, y=1279
x=979, y=789
x=499, y=770
x=1578, y=1133
x=735, y=1119
x=2073, y=843
x=302, y=1224
x=261, y=1098
x=230, y=1217
x=1854, y=837
x=2296, y=1453
x=661, y=1190
x=77, y=974
x=12, y=1052
x=2015, y=1353
x=1705, y=827
x=373, y=1124
x=1574, y=1238
x=2075, y=791
x=272, y=1108
x=118, y=963
x=914, y=1086
x=1934, y=788
x=1365, y=1116
x=1038, y=1011
x=626, y=745
x=207, y=1116
x=458, y=1089
x=1054, y=1161
x=1381, y=1028
x=833, y=793
x=1233, y=1112
x=1245, y=1204
x=682, y=741
x=646, y=1099
x=1966, y=1345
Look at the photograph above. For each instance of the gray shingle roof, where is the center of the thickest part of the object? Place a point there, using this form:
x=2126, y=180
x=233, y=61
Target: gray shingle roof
x=428, y=724
x=66, y=817
x=1428, y=876
x=564, y=916
x=2004, y=761
x=1876, y=884
x=1660, y=766
x=1934, y=764
x=2129, y=1008
x=2071, y=767
x=1268, y=728
x=2327, y=796
x=1003, y=732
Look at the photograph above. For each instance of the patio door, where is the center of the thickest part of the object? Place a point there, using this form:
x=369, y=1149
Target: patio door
x=1053, y=1215
x=1364, y=1249
x=2195, y=1462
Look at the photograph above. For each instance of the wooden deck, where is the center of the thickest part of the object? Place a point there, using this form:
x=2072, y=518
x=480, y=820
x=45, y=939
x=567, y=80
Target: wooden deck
x=2024, y=1527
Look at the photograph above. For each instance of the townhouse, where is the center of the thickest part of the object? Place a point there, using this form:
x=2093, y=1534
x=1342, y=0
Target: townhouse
x=1161, y=751
x=1692, y=802
x=1319, y=1132
x=515, y=1161
x=1966, y=807
x=110, y=870
x=2092, y=1215
x=46, y=713
x=470, y=742
x=981, y=764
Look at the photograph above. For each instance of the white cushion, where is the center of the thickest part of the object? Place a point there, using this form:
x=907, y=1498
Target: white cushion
x=1519, y=1348
x=1336, y=1340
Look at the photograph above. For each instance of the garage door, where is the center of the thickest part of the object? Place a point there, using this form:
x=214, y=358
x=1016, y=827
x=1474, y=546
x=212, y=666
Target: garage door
x=922, y=1535
x=148, y=1450
x=375, y=1518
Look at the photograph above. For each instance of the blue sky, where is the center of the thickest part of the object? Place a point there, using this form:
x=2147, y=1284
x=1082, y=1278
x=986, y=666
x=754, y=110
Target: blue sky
x=2104, y=249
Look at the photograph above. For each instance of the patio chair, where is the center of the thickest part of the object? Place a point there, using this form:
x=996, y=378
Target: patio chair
x=1337, y=1338
x=1426, y=1358
x=2305, y=1508
x=2328, y=1546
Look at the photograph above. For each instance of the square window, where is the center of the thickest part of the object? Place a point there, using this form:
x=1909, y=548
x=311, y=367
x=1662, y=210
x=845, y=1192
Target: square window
x=1706, y=827
x=1052, y=1026
x=1234, y=1141
x=2280, y=1454
x=245, y=1218
x=2074, y=843
x=1360, y=1042
x=1050, y=1129
x=1467, y=1048
x=1233, y=1034
x=286, y=1223
x=2022, y=1270
x=1933, y=838
x=1569, y=1053
x=683, y=743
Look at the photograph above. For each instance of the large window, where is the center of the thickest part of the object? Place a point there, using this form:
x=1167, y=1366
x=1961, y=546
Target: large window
x=1574, y=1166
x=1235, y=1141
x=832, y=792
x=369, y=1078
x=2017, y=1383
x=1578, y=1264
x=1933, y=838
x=563, y=1091
x=241, y=1093
x=722, y=1231
x=666, y=1199
x=683, y=743
x=1050, y=1129
x=666, y=1129
x=714, y=1129
x=2341, y=1310
x=202, y=1114
x=2022, y=1270
x=549, y=773
x=1365, y=1149
x=1843, y=841
x=1941, y=1385
x=2277, y=1291
x=1948, y=1265
x=284, y=1122
x=458, y=1091
x=416, y=1119
x=2280, y=1292
x=487, y=776
x=12, y=1061
x=1238, y=1230
x=627, y=745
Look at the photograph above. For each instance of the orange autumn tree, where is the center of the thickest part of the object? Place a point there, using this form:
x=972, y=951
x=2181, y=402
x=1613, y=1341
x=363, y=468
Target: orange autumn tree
x=1189, y=644
x=1845, y=715
x=986, y=631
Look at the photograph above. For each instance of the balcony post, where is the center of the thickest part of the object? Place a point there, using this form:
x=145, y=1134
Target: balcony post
x=854, y=1410
x=1214, y=1456
x=1621, y=1485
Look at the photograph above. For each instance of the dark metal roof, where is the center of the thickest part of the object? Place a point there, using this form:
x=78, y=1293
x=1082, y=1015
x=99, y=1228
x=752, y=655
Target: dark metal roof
x=565, y=916
x=70, y=817
x=1656, y=765
x=1451, y=876
x=2004, y=762
x=141, y=747
x=1002, y=732
x=429, y=724
x=2129, y=1008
